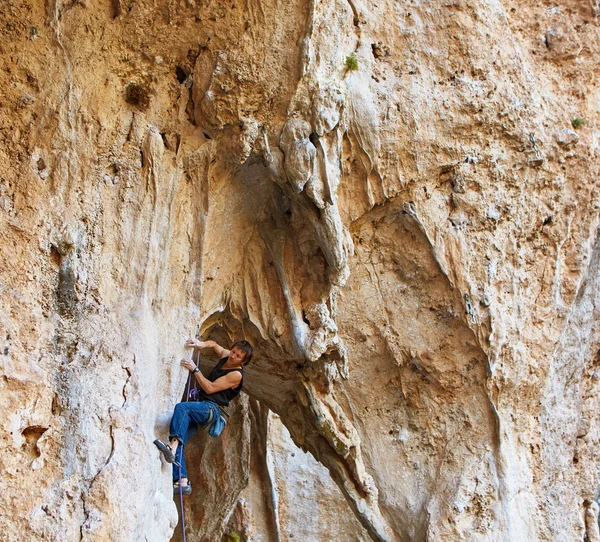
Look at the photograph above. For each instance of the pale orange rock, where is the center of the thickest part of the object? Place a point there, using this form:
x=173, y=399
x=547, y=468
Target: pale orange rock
x=411, y=246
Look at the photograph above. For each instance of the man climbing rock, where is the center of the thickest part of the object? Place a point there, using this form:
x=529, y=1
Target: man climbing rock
x=222, y=385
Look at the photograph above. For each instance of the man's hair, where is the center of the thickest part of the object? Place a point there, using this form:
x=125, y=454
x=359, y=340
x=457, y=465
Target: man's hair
x=245, y=347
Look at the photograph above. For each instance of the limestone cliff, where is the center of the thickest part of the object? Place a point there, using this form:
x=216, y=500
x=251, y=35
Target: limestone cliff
x=290, y=496
x=396, y=203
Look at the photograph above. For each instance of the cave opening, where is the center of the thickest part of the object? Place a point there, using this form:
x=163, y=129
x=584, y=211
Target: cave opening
x=268, y=487
x=284, y=492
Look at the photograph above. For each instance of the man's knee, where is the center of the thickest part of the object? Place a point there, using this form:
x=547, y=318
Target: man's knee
x=181, y=408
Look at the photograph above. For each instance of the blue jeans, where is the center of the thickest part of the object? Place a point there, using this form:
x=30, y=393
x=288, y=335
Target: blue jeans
x=184, y=424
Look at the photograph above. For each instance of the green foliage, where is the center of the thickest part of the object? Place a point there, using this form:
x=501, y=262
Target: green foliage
x=577, y=122
x=231, y=537
x=352, y=63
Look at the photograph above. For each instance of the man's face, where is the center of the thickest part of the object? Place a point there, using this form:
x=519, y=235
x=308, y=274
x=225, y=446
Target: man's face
x=236, y=356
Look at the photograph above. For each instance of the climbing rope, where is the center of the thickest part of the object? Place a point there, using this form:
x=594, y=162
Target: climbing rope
x=188, y=393
x=181, y=500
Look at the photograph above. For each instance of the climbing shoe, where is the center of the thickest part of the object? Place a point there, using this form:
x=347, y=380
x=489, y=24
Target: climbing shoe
x=166, y=451
x=185, y=490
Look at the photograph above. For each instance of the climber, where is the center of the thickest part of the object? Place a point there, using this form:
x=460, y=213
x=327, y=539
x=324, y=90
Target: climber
x=222, y=385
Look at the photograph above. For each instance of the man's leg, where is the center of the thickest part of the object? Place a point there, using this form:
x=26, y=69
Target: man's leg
x=180, y=473
x=184, y=424
x=186, y=414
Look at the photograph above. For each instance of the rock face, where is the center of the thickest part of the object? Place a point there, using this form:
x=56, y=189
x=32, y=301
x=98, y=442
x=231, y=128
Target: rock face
x=291, y=497
x=396, y=203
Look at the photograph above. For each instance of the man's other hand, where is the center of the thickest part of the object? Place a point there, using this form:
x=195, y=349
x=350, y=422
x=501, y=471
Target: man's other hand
x=188, y=364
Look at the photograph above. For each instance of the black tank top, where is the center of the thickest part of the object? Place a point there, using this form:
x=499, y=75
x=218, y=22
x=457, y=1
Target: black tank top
x=221, y=397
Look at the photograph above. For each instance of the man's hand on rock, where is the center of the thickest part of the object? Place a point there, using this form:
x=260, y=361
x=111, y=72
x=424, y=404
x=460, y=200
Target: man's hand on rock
x=188, y=364
x=194, y=343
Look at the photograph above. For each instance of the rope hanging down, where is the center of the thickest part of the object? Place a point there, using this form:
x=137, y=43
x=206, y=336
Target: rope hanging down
x=189, y=392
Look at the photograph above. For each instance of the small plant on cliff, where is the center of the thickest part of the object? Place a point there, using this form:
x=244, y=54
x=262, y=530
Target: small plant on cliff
x=577, y=122
x=351, y=63
x=231, y=537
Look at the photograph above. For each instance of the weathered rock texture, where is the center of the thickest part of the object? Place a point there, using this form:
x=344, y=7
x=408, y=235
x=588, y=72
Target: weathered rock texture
x=412, y=246
x=295, y=499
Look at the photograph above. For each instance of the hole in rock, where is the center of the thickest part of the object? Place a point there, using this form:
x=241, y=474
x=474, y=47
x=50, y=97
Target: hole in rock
x=181, y=74
x=54, y=255
x=165, y=140
x=137, y=94
x=305, y=319
x=116, y=8
x=31, y=435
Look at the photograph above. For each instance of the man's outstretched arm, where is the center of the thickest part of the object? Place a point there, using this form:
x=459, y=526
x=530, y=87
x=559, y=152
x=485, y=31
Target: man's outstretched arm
x=217, y=349
x=230, y=380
